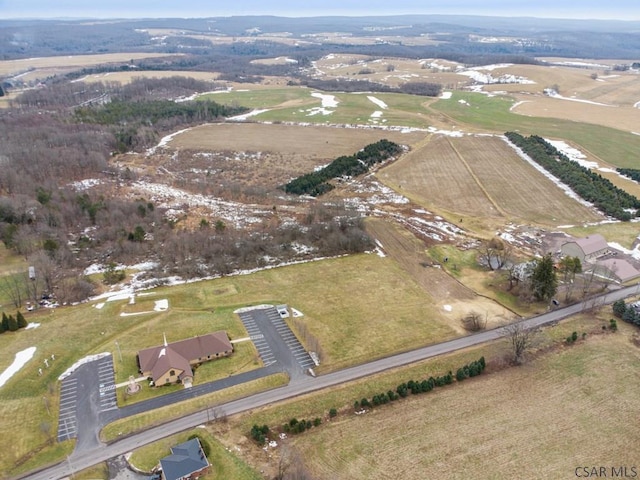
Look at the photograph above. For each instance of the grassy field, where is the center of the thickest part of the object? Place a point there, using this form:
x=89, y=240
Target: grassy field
x=482, y=176
x=453, y=299
x=541, y=420
x=613, y=146
x=359, y=308
x=224, y=463
x=235, y=434
x=154, y=417
x=296, y=104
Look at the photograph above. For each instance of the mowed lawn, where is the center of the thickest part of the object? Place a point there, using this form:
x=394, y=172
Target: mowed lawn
x=483, y=176
x=359, y=308
x=297, y=104
x=573, y=408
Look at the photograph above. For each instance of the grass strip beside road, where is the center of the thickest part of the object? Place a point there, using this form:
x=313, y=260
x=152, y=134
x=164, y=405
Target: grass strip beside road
x=126, y=426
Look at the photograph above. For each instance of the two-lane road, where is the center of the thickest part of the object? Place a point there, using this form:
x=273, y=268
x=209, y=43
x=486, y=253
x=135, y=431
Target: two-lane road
x=85, y=459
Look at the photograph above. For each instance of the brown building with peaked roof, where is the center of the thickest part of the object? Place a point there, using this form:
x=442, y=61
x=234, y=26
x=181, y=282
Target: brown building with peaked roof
x=587, y=248
x=173, y=362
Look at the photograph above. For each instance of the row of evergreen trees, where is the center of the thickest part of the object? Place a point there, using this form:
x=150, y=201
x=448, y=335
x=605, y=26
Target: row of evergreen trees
x=11, y=324
x=589, y=185
x=315, y=183
x=632, y=173
x=416, y=387
x=626, y=312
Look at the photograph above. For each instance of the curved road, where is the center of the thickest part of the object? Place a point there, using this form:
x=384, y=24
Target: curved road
x=81, y=460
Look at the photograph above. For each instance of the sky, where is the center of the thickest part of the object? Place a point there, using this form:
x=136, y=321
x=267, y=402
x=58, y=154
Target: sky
x=580, y=9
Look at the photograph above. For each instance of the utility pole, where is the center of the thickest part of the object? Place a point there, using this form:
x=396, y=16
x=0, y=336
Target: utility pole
x=119, y=352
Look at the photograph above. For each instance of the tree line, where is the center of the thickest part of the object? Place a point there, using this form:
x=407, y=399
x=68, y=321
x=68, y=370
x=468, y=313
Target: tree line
x=10, y=323
x=316, y=183
x=589, y=185
x=632, y=173
x=334, y=85
x=626, y=312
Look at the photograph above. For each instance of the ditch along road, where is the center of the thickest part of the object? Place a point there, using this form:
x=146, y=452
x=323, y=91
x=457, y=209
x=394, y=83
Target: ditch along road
x=85, y=459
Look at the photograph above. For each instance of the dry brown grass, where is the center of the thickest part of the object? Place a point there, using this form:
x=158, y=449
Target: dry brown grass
x=12, y=67
x=127, y=77
x=622, y=117
x=318, y=142
x=451, y=297
x=482, y=176
x=541, y=420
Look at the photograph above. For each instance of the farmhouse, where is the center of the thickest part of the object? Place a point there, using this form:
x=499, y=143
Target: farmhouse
x=616, y=269
x=586, y=249
x=173, y=362
x=186, y=462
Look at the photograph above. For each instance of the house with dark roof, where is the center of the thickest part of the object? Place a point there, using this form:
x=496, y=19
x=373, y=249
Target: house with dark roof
x=174, y=362
x=586, y=249
x=186, y=462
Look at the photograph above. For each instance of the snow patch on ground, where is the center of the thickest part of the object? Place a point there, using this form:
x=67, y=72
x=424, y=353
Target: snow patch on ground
x=448, y=308
x=380, y=249
x=565, y=188
x=448, y=133
x=252, y=308
x=635, y=253
x=21, y=359
x=579, y=157
x=32, y=325
x=81, y=362
x=517, y=104
x=161, y=305
x=174, y=199
x=164, y=141
x=85, y=184
x=328, y=101
x=553, y=94
x=581, y=64
x=378, y=102
x=245, y=116
x=476, y=74
x=446, y=95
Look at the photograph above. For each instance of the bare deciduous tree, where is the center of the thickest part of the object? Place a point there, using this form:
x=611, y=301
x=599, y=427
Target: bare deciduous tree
x=522, y=338
x=474, y=321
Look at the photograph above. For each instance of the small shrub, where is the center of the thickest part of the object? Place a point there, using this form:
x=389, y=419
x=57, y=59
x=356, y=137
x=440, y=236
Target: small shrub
x=333, y=412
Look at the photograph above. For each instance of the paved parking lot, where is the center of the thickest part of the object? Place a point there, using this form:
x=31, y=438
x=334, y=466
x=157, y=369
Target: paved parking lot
x=67, y=423
x=106, y=377
x=258, y=339
x=275, y=341
x=84, y=394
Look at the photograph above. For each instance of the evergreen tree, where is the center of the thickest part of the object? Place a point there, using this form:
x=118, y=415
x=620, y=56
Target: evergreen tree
x=2, y=329
x=543, y=280
x=13, y=323
x=619, y=307
x=5, y=322
x=22, y=322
